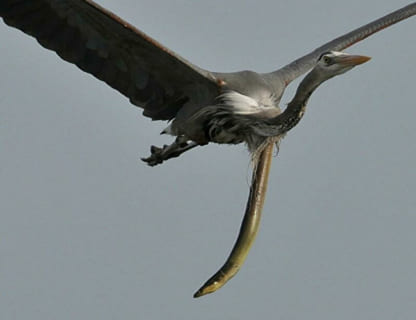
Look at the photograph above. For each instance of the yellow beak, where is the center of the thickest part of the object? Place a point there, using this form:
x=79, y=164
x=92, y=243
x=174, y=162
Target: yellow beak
x=352, y=60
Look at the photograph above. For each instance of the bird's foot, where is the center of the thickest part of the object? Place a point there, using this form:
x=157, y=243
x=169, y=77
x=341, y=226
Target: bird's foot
x=158, y=155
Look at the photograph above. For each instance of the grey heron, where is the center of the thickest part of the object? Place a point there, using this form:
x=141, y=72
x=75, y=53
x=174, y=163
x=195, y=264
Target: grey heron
x=202, y=106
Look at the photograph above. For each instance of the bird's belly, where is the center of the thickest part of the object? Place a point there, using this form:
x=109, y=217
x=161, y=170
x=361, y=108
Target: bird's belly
x=225, y=130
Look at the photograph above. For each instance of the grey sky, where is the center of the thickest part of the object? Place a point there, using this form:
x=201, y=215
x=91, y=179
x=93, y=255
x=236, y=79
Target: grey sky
x=89, y=232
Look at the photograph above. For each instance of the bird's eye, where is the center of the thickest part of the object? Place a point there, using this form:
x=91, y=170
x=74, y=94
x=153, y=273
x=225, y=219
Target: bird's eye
x=327, y=60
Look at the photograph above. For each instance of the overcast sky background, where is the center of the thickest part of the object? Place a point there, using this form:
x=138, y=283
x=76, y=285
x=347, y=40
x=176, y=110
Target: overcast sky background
x=87, y=231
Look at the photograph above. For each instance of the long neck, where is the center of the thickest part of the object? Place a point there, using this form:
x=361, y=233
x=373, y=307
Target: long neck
x=296, y=108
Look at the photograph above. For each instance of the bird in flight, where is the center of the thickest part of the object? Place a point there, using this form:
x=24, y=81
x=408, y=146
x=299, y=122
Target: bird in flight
x=201, y=106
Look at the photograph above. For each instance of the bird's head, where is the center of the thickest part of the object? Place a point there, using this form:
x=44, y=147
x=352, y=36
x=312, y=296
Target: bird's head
x=333, y=63
x=329, y=64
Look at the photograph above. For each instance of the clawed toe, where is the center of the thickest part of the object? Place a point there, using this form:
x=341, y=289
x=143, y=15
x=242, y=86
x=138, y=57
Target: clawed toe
x=154, y=149
x=158, y=155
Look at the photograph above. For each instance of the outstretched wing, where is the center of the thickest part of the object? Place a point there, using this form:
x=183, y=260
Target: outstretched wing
x=305, y=63
x=100, y=43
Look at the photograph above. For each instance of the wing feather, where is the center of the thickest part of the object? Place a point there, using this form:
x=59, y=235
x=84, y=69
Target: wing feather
x=102, y=44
